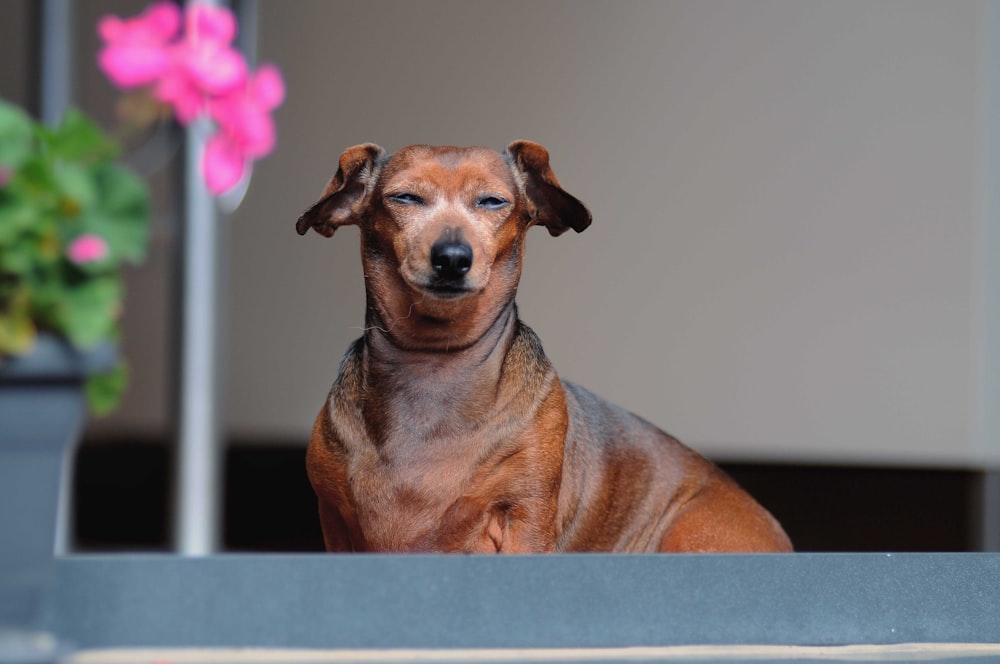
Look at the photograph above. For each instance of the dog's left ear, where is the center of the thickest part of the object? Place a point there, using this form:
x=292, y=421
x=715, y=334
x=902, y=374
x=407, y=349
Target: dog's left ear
x=555, y=209
x=344, y=196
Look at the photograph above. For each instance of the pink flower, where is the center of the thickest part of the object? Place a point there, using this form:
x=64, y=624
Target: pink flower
x=87, y=249
x=246, y=130
x=136, y=50
x=197, y=71
x=6, y=173
x=209, y=23
x=244, y=113
x=223, y=164
x=202, y=64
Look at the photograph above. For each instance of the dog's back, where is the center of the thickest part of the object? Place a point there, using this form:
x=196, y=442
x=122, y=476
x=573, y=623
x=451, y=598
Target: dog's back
x=637, y=488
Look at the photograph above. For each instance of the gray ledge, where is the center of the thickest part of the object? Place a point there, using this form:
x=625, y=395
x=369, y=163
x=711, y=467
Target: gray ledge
x=558, y=601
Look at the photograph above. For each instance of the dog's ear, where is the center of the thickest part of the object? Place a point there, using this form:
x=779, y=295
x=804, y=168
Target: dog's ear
x=343, y=198
x=553, y=207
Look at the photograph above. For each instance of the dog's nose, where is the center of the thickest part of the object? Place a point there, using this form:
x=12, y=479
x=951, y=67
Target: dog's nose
x=451, y=258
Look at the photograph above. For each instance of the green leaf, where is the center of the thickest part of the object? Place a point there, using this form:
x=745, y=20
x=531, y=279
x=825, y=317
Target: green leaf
x=22, y=255
x=17, y=332
x=17, y=215
x=38, y=181
x=121, y=214
x=16, y=262
x=77, y=188
x=16, y=335
x=104, y=390
x=16, y=135
x=78, y=139
x=87, y=312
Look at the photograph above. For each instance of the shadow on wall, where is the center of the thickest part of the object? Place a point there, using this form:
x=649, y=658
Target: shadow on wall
x=121, y=502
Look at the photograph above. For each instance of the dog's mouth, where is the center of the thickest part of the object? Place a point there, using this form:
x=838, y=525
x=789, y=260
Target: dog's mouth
x=444, y=288
x=447, y=290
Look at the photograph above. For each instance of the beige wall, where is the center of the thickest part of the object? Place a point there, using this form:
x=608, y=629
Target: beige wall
x=787, y=258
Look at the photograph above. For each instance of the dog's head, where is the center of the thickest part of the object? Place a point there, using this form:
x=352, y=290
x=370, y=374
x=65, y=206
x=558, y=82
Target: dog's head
x=443, y=227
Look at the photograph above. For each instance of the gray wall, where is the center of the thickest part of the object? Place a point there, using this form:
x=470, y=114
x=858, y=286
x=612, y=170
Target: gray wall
x=15, y=43
x=791, y=253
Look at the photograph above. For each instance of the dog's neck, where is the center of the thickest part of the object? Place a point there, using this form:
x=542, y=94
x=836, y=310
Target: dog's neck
x=381, y=345
x=422, y=391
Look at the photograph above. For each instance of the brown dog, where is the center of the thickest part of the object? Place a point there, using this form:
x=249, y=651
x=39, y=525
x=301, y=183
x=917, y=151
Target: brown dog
x=447, y=429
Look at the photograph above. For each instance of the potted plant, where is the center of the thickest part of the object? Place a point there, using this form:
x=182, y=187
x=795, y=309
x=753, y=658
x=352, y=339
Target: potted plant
x=70, y=216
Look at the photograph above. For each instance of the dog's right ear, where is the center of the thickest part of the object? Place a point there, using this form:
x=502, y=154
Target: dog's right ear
x=552, y=206
x=344, y=197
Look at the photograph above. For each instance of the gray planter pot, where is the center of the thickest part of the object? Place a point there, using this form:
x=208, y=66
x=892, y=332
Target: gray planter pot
x=42, y=413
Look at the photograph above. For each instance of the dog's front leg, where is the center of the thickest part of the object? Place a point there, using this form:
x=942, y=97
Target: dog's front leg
x=531, y=477
x=336, y=536
x=328, y=476
x=527, y=527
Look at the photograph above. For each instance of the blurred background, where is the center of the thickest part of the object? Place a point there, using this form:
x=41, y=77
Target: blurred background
x=793, y=265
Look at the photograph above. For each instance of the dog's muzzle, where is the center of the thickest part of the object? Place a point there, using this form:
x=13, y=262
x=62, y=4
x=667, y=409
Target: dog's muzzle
x=451, y=260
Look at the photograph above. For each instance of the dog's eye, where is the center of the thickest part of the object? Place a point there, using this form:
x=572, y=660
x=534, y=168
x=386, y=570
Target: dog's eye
x=491, y=202
x=405, y=198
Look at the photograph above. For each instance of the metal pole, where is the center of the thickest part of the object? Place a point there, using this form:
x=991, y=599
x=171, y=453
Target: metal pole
x=199, y=487
x=197, y=490
x=55, y=89
x=54, y=94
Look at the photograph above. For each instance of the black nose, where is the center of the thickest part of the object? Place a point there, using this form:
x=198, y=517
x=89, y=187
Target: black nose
x=451, y=258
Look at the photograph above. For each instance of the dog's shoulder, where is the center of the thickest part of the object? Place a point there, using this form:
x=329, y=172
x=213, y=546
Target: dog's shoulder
x=600, y=424
x=350, y=369
x=525, y=363
x=341, y=401
x=599, y=412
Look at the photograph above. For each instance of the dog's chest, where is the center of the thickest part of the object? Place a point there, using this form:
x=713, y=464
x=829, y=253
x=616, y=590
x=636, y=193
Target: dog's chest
x=425, y=463
x=432, y=499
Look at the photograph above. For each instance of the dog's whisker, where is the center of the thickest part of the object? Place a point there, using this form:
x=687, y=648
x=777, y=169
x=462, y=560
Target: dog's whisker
x=409, y=312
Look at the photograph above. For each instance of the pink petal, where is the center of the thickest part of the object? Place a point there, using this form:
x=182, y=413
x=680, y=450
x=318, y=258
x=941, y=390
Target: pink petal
x=163, y=19
x=185, y=97
x=208, y=23
x=159, y=23
x=267, y=88
x=214, y=68
x=133, y=65
x=136, y=50
x=243, y=114
x=227, y=111
x=222, y=165
x=110, y=28
x=246, y=126
x=87, y=249
x=258, y=137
